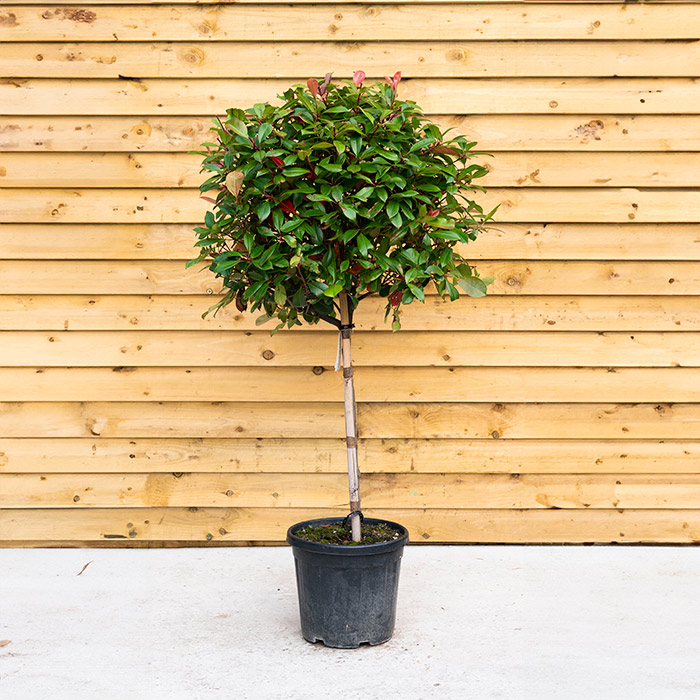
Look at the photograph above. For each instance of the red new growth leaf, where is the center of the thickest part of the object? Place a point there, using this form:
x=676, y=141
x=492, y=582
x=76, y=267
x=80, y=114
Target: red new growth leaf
x=312, y=84
x=433, y=212
x=287, y=206
x=394, y=82
x=324, y=85
x=395, y=298
x=209, y=199
x=357, y=77
x=278, y=161
x=445, y=149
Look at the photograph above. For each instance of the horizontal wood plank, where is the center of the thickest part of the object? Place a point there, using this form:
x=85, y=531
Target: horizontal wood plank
x=564, y=205
x=515, y=313
x=443, y=59
x=494, y=132
x=378, y=349
x=592, y=421
x=511, y=277
x=288, y=384
x=155, y=96
x=168, y=170
x=343, y=22
x=333, y=2
x=328, y=455
x=503, y=241
x=270, y=525
x=379, y=491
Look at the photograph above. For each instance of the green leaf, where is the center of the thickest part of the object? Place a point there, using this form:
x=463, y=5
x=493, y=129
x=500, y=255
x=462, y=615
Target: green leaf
x=363, y=244
x=349, y=212
x=280, y=295
x=277, y=218
x=364, y=193
x=262, y=319
x=392, y=208
x=396, y=220
x=263, y=210
x=473, y=286
x=295, y=172
x=239, y=127
x=333, y=290
x=340, y=146
x=264, y=131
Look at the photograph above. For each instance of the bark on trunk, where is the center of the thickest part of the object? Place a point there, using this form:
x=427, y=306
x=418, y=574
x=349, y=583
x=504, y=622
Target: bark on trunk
x=350, y=415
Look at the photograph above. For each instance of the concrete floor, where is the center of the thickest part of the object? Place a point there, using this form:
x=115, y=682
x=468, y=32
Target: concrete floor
x=521, y=623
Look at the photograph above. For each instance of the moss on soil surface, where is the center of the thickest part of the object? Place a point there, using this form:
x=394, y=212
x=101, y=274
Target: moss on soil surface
x=335, y=533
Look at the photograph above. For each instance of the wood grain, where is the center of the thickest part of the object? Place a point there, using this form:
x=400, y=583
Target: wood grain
x=295, y=59
x=155, y=96
x=502, y=241
x=343, y=22
x=327, y=456
x=370, y=349
x=494, y=132
x=515, y=313
x=227, y=525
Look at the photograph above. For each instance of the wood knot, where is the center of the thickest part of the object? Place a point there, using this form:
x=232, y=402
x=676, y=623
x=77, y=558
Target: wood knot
x=268, y=354
x=318, y=371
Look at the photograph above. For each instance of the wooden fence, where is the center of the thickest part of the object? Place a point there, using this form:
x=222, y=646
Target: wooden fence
x=561, y=408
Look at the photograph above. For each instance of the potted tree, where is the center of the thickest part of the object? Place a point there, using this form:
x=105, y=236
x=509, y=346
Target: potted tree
x=341, y=192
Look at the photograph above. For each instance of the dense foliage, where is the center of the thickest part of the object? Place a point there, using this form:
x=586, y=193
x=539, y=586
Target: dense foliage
x=341, y=188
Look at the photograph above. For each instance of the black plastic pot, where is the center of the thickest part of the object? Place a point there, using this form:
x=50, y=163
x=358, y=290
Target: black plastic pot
x=347, y=593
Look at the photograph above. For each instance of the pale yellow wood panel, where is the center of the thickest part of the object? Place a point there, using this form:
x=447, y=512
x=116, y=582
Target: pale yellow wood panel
x=335, y=2
x=103, y=241
x=379, y=349
x=273, y=384
x=494, y=132
x=274, y=490
x=509, y=132
x=343, y=22
x=293, y=60
x=328, y=455
x=502, y=241
x=583, y=242
x=592, y=96
x=122, y=525
x=511, y=277
x=565, y=205
x=41, y=170
x=592, y=421
x=563, y=313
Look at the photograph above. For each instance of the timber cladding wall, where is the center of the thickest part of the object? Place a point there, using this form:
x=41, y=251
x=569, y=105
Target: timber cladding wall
x=561, y=408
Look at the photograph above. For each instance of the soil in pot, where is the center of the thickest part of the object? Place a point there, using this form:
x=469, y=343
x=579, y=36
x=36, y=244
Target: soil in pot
x=338, y=533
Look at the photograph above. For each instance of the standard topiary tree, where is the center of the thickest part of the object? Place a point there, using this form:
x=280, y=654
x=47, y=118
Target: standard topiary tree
x=339, y=193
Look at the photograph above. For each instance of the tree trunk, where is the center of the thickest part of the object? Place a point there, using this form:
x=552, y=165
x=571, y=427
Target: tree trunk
x=350, y=415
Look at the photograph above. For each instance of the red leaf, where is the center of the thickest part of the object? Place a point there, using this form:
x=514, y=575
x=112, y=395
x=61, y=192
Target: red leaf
x=324, y=85
x=445, y=149
x=357, y=77
x=433, y=212
x=278, y=161
x=287, y=206
x=312, y=84
x=395, y=298
x=209, y=199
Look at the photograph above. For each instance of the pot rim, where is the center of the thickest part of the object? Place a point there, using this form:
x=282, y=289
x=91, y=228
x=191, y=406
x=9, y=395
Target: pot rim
x=344, y=549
